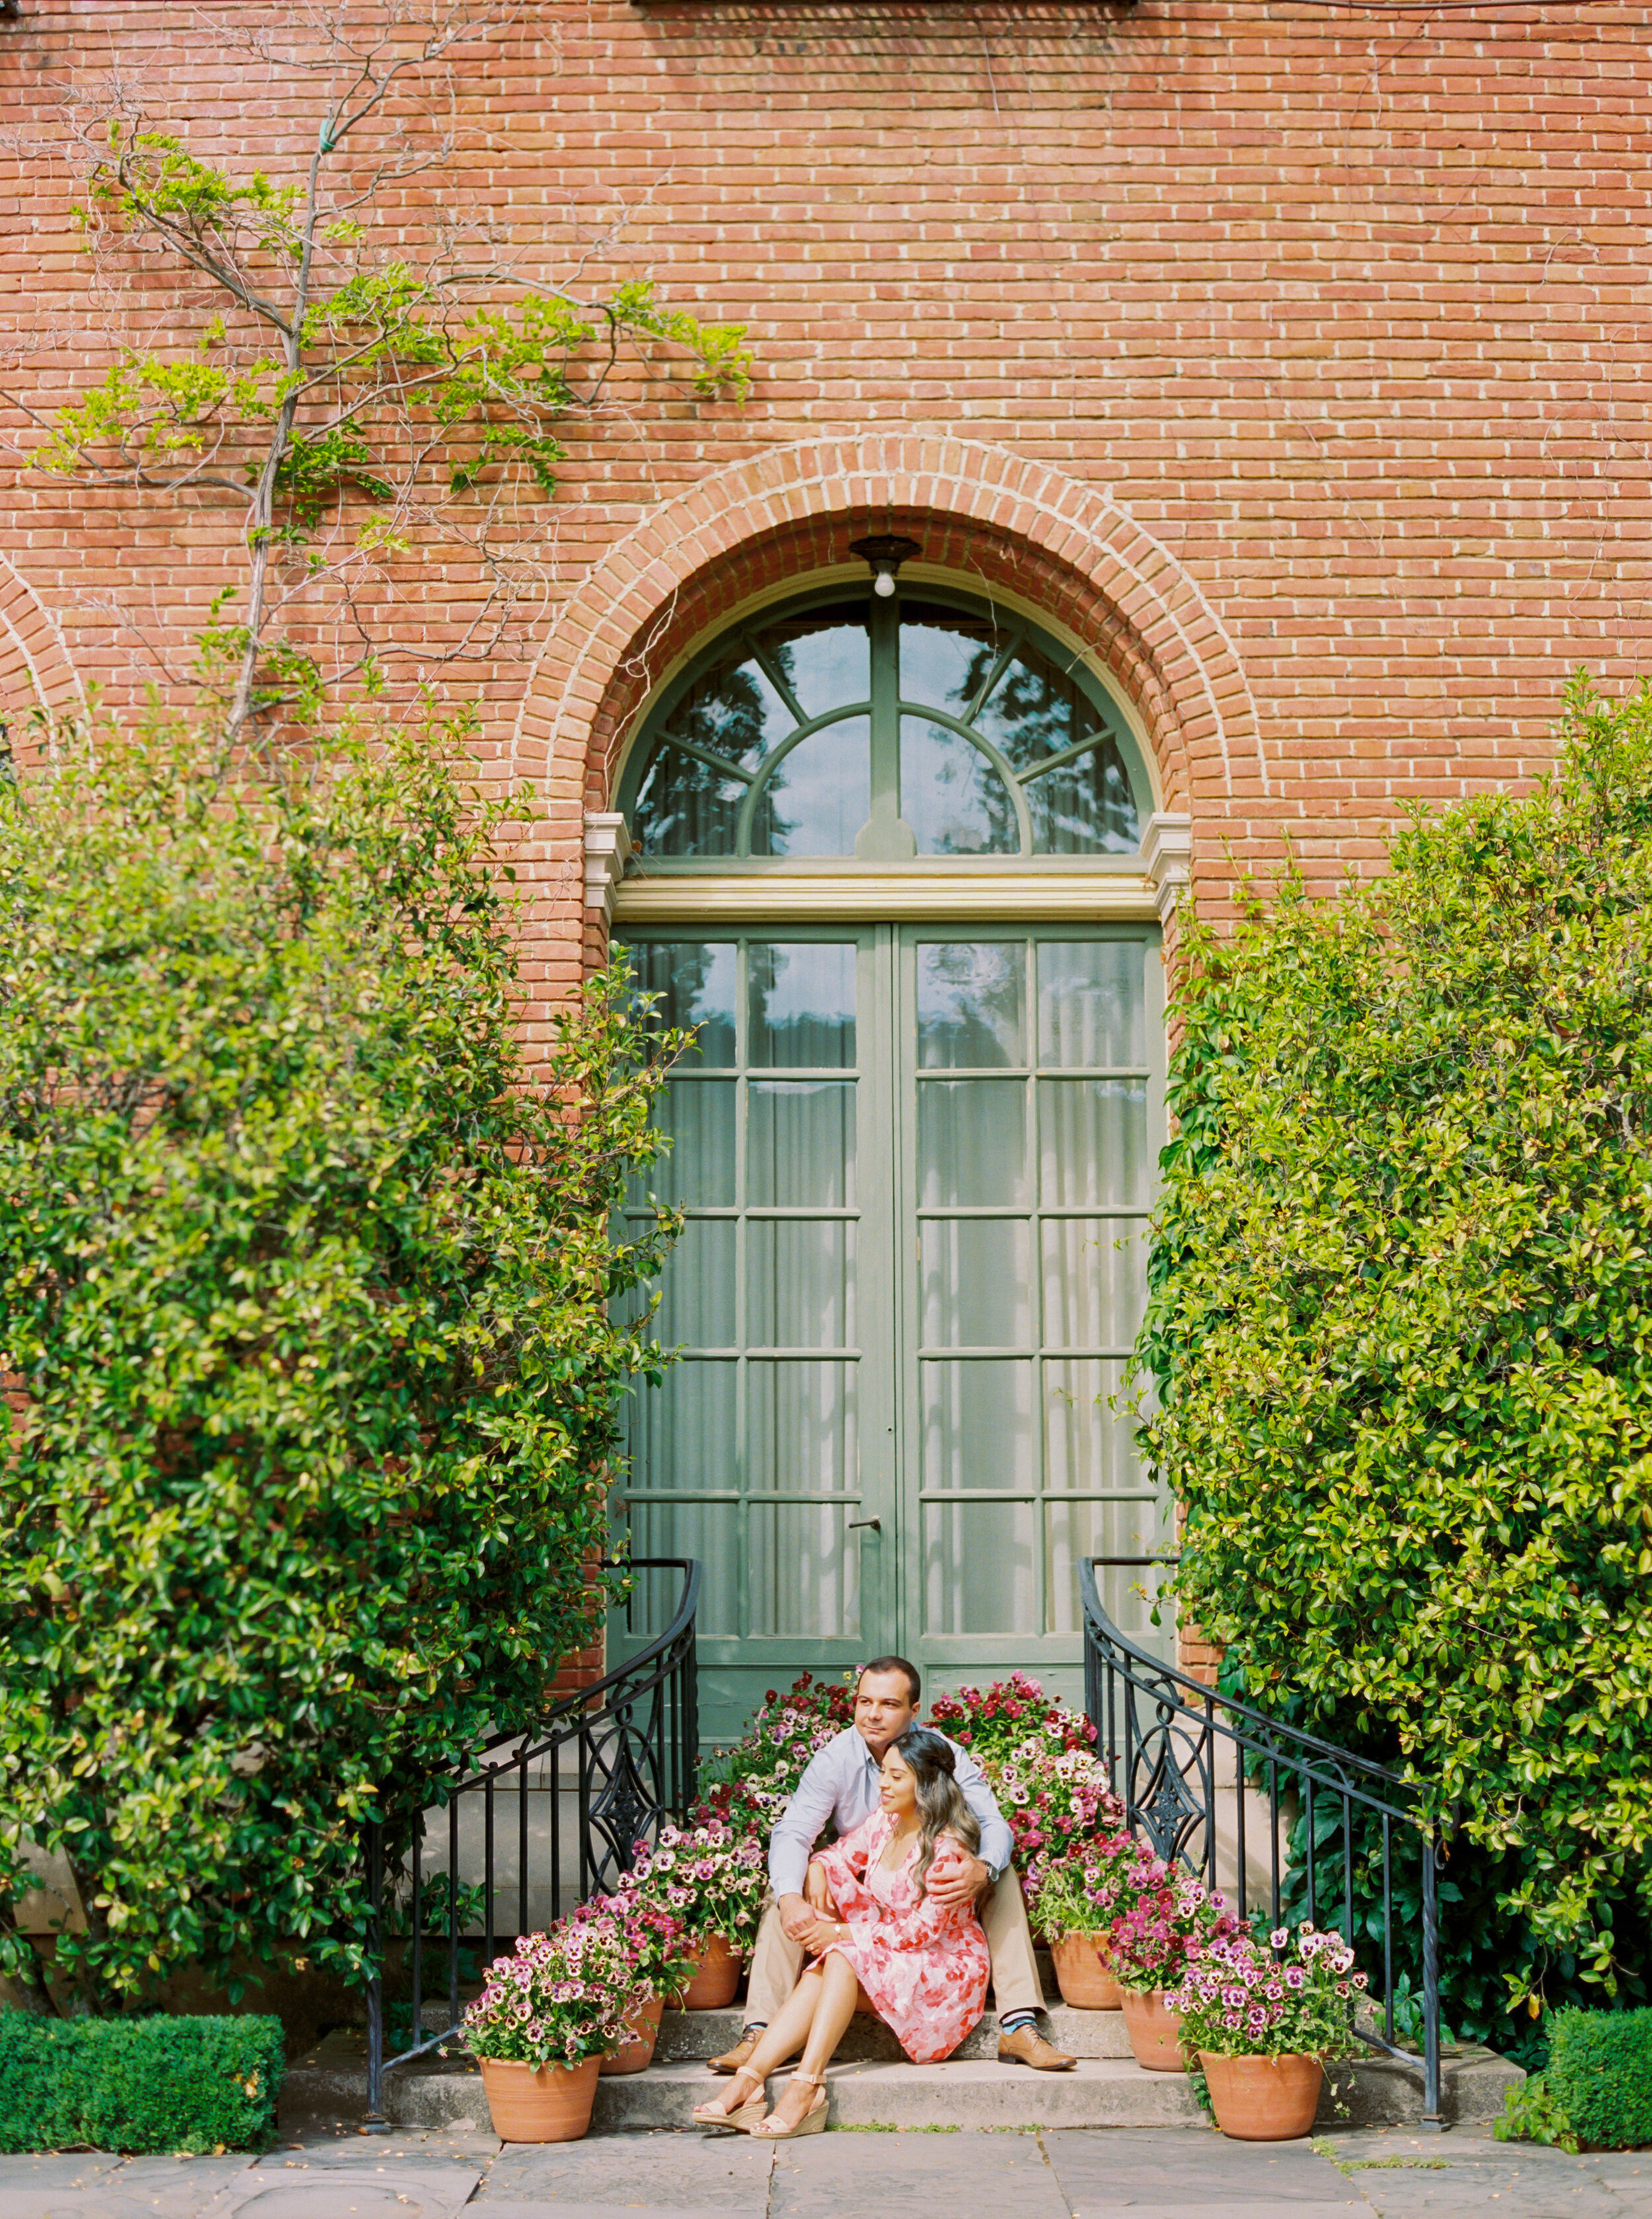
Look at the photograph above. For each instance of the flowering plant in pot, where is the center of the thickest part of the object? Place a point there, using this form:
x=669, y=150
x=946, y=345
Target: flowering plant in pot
x=662, y=1957
x=711, y=1882
x=1263, y=2015
x=1161, y=1918
x=546, y=2016
x=1069, y=1902
x=760, y=1772
x=1040, y=1762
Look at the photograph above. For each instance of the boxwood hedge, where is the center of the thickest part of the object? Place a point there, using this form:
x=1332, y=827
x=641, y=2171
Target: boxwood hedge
x=137, y=2083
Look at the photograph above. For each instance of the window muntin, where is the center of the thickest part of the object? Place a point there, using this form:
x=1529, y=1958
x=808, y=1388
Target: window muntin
x=923, y=725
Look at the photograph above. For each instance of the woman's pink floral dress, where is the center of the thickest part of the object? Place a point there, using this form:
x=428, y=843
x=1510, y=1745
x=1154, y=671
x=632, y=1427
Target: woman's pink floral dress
x=925, y=1966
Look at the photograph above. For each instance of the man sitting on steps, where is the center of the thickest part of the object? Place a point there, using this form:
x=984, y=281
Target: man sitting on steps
x=840, y=1785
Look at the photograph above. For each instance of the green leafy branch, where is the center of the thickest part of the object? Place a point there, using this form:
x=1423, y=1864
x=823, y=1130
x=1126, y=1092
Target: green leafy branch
x=348, y=398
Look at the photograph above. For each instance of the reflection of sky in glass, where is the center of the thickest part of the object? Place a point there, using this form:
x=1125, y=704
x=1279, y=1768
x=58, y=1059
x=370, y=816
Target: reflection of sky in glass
x=954, y=801
x=803, y=1003
x=942, y=666
x=736, y=713
x=951, y=796
x=1029, y=711
x=694, y=981
x=971, y=1003
x=826, y=668
x=821, y=793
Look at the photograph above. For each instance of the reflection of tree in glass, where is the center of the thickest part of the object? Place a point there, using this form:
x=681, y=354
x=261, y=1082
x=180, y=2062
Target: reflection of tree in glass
x=1086, y=805
x=688, y=807
x=1031, y=711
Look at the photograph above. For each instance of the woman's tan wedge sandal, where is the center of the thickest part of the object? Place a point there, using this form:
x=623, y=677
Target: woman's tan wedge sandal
x=813, y=2121
x=745, y=2116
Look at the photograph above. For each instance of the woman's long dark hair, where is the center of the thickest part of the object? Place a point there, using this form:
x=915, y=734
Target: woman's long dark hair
x=942, y=1808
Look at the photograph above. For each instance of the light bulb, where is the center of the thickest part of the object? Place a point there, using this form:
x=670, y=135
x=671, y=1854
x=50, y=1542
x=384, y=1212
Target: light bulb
x=884, y=584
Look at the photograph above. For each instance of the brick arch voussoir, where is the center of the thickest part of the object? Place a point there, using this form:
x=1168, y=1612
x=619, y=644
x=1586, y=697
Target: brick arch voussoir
x=36, y=673
x=981, y=512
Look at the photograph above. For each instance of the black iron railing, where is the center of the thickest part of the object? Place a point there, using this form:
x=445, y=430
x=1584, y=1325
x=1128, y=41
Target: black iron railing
x=1170, y=1742
x=574, y=1797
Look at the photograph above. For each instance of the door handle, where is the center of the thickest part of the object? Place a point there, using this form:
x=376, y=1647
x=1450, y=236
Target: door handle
x=876, y=1524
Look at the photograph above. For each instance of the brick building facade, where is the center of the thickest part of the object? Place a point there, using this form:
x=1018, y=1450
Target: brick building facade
x=1286, y=365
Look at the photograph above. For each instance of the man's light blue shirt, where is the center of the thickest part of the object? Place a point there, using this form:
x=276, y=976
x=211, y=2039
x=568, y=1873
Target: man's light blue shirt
x=841, y=1783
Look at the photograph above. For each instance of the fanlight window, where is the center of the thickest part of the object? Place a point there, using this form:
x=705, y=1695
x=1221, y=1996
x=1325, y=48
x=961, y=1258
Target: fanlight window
x=924, y=726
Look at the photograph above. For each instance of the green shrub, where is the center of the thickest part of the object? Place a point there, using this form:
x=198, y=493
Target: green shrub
x=137, y=2083
x=310, y=1287
x=1600, y=2075
x=1398, y=1332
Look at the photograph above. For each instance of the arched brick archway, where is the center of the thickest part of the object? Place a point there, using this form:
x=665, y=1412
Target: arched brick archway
x=980, y=511
x=35, y=671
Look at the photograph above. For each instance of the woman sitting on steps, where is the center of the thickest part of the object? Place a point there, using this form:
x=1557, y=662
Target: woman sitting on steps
x=922, y=1965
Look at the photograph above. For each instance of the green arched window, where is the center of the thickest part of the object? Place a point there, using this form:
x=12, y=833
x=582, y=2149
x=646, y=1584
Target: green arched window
x=925, y=725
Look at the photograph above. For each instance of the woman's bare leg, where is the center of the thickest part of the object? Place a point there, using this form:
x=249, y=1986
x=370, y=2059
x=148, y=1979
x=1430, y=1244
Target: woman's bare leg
x=840, y=1988
x=782, y=2039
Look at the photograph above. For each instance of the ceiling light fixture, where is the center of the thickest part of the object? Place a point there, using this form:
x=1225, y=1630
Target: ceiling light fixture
x=885, y=555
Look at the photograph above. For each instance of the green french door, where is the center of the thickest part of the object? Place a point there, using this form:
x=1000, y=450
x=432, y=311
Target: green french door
x=916, y=1162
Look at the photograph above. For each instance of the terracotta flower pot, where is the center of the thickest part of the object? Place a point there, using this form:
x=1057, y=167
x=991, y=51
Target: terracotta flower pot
x=1155, y=2033
x=1084, y=1976
x=713, y=1985
x=539, y=2103
x=638, y=2052
x=1264, y=2099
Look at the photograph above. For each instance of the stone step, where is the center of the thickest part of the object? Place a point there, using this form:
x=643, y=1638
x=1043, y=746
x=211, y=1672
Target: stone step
x=687, y=2036
x=974, y=2091
x=328, y=2087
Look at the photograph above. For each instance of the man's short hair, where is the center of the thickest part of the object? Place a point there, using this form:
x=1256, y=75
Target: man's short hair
x=894, y=1664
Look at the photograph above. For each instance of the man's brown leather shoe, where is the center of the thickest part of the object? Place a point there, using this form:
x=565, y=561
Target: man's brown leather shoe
x=732, y=2059
x=1027, y=2046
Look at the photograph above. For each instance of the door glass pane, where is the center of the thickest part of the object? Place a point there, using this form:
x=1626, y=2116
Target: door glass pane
x=800, y=1282
x=1090, y=1005
x=972, y=1142
x=1095, y=1271
x=1093, y=1144
x=977, y=1417
x=978, y=1572
x=803, y=1423
x=804, y=1569
x=817, y=797
x=951, y=796
x=694, y=980
x=802, y=1004
x=1076, y=1530
x=1088, y=1447
x=709, y=1531
x=697, y=1286
x=698, y=1168
x=801, y=1143
x=977, y=1282
x=682, y=1433
x=972, y=1003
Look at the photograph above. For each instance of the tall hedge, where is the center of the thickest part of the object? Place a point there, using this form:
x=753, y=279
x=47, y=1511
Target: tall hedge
x=1400, y=1332
x=305, y=1287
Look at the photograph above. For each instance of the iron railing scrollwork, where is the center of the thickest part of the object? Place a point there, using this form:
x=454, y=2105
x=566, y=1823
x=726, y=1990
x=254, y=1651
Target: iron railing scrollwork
x=1168, y=1741
x=605, y=1768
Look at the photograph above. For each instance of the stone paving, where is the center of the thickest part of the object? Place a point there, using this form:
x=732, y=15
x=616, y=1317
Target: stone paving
x=1077, y=2173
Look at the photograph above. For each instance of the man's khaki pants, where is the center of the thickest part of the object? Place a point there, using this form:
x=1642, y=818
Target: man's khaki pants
x=777, y=1961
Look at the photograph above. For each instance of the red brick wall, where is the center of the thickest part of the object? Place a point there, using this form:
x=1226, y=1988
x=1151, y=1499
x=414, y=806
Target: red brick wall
x=1294, y=358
